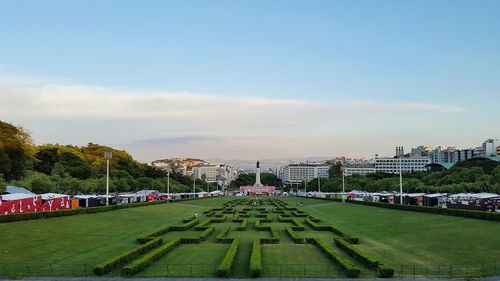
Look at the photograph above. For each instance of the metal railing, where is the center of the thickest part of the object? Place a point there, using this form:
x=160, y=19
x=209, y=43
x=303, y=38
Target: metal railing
x=17, y=270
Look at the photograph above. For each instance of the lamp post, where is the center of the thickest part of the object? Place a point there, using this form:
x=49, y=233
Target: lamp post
x=194, y=185
x=343, y=185
x=107, y=155
x=168, y=182
x=319, y=184
x=400, y=181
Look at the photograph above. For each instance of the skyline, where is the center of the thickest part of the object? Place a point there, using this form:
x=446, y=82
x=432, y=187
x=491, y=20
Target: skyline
x=253, y=79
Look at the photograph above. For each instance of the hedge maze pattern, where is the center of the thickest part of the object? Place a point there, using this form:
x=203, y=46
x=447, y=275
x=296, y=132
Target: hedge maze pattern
x=342, y=251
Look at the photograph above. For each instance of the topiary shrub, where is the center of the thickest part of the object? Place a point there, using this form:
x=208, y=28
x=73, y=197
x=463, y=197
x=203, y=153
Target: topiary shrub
x=146, y=260
x=256, y=259
x=227, y=262
x=385, y=272
x=108, y=265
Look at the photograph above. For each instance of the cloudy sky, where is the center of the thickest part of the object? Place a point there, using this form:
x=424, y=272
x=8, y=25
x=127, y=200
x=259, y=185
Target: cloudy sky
x=252, y=79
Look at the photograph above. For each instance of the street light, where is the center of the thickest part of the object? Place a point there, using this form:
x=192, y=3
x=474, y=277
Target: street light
x=400, y=181
x=107, y=155
x=343, y=185
x=168, y=182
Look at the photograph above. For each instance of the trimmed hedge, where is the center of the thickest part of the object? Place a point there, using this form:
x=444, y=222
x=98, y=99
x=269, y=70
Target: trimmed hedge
x=206, y=233
x=256, y=259
x=385, y=272
x=298, y=224
x=109, y=265
x=218, y=219
x=189, y=219
x=350, y=269
x=202, y=225
x=223, y=234
x=299, y=214
x=261, y=227
x=155, y=233
x=316, y=226
x=185, y=226
x=275, y=237
x=227, y=262
x=243, y=225
x=146, y=260
x=363, y=258
x=314, y=219
x=283, y=218
x=295, y=237
x=352, y=240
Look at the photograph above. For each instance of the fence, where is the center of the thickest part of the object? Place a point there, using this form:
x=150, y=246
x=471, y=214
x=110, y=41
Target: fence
x=242, y=270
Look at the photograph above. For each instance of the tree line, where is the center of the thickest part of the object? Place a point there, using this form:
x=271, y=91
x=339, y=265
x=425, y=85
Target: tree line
x=77, y=169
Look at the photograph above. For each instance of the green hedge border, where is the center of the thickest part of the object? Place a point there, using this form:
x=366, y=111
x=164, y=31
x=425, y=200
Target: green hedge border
x=256, y=259
x=227, y=262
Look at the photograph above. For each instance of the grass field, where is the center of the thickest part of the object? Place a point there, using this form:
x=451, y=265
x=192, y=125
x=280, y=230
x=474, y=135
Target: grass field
x=412, y=243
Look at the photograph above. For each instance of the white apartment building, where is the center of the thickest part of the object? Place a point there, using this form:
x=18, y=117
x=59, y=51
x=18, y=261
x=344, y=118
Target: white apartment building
x=491, y=147
x=300, y=172
x=392, y=165
x=359, y=169
x=209, y=171
x=223, y=174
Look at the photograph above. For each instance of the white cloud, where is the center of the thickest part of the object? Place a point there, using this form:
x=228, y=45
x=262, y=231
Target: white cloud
x=144, y=118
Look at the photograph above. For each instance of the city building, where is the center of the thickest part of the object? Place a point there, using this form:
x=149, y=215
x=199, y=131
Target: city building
x=205, y=171
x=300, y=172
x=406, y=164
x=491, y=147
x=359, y=169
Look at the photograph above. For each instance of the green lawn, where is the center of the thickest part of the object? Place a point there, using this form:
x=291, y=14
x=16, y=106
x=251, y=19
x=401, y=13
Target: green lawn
x=412, y=243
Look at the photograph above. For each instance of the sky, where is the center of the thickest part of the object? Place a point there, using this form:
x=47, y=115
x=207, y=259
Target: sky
x=252, y=79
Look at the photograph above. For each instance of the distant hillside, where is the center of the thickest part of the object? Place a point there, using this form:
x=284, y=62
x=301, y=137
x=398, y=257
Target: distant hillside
x=73, y=169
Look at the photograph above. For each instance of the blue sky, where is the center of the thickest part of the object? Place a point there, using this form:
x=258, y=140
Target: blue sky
x=407, y=72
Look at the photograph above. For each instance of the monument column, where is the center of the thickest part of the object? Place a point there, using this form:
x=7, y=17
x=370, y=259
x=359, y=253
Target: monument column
x=257, y=175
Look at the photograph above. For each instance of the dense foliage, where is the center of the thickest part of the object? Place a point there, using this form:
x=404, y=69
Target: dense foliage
x=73, y=169
x=249, y=179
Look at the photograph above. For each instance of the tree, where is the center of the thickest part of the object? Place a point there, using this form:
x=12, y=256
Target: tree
x=3, y=184
x=335, y=170
x=45, y=159
x=16, y=151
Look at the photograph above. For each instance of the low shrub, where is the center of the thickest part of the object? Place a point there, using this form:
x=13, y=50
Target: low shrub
x=260, y=227
x=314, y=219
x=202, y=225
x=206, y=233
x=189, y=219
x=227, y=262
x=346, y=265
x=283, y=218
x=223, y=233
x=256, y=259
x=157, y=232
x=316, y=226
x=352, y=240
x=144, y=261
x=190, y=240
x=368, y=261
x=243, y=225
x=185, y=226
x=295, y=237
x=385, y=272
x=109, y=265
x=218, y=219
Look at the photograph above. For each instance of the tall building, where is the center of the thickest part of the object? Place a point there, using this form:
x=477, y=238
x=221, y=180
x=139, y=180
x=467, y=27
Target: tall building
x=207, y=171
x=491, y=147
x=359, y=169
x=300, y=172
x=406, y=164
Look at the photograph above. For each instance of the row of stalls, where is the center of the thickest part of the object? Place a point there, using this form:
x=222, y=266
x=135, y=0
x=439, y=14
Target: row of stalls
x=20, y=200
x=472, y=201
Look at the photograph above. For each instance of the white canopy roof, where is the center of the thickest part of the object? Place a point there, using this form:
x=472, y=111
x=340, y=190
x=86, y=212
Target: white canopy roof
x=15, y=196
